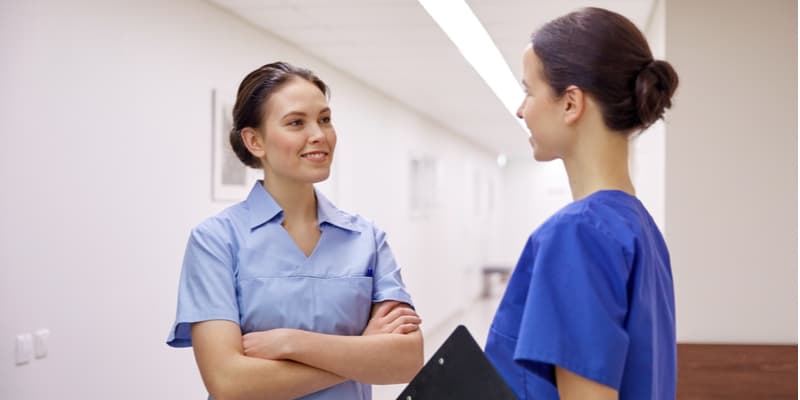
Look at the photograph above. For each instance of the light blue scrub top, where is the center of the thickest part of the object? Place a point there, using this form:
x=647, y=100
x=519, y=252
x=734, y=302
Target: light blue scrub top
x=592, y=293
x=242, y=266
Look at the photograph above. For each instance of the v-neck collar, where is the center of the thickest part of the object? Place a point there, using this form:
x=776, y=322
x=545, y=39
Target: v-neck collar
x=263, y=209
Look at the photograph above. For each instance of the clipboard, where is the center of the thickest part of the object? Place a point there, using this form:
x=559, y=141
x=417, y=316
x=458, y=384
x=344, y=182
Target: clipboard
x=458, y=370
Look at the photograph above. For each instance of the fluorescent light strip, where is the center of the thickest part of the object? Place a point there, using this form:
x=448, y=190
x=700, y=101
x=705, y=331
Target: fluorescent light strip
x=465, y=30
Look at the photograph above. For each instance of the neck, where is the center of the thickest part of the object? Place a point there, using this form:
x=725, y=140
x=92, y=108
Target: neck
x=599, y=162
x=298, y=201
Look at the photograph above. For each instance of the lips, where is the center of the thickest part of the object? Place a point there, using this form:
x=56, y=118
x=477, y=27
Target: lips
x=315, y=155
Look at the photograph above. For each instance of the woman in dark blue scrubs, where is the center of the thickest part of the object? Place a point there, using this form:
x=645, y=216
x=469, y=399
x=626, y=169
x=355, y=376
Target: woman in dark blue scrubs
x=589, y=312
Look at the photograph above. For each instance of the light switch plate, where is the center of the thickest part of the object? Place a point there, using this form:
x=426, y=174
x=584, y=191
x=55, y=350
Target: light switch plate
x=40, y=342
x=24, y=352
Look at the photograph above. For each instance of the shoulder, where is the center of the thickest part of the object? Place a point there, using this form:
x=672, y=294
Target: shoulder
x=344, y=219
x=362, y=224
x=365, y=228
x=583, y=239
x=598, y=218
x=224, y=226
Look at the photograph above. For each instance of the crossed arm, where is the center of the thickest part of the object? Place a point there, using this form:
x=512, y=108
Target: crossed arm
x=289, y=363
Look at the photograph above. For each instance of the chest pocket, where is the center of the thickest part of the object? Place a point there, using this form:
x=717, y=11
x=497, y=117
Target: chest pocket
x=330, y=305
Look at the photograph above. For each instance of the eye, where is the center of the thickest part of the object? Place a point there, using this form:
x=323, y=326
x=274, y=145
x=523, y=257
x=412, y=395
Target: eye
x=528, y=92
x=325, y=120
x=295, y=122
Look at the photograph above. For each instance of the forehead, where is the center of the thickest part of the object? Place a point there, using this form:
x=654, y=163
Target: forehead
x=296, y=95
x=532, y=66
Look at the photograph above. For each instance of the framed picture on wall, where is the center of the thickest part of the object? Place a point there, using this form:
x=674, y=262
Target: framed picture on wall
x=230, y=179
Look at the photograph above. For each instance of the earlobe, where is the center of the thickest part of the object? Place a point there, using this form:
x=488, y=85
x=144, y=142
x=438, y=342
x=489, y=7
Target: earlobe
x=574, y=104
x=253, y=141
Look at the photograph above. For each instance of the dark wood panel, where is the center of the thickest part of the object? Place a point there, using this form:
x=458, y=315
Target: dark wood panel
x=733, y=372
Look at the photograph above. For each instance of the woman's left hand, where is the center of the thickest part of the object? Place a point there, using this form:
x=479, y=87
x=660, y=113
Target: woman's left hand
x=269, y=345
x=392, y=317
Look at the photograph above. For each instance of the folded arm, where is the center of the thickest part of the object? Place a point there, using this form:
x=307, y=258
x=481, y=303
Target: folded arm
x=231, y=375
x=389, y=351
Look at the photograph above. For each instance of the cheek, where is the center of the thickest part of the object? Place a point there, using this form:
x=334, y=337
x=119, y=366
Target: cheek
x=531, y=115
x=541, y=113
x=281, y=145
x=530, y=112
x=332, y=139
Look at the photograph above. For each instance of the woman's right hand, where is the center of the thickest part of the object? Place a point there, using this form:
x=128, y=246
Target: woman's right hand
x=392, y=317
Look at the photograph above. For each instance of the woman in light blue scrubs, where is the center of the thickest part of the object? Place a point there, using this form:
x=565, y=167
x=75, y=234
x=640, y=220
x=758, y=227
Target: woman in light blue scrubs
x=284, y=295
x=589, y=312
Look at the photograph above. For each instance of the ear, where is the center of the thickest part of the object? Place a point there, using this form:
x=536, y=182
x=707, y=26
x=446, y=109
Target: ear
x=574, y=104
x=254, y=142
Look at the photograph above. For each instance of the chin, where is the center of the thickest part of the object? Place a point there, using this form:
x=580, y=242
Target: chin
x=542, y=157
x=320, y=177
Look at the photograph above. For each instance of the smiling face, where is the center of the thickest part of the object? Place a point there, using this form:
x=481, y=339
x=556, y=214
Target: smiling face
x=542, y=111
x=297, y=135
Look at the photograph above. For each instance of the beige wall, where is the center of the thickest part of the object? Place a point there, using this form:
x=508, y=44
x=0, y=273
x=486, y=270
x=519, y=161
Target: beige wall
x=731, y=169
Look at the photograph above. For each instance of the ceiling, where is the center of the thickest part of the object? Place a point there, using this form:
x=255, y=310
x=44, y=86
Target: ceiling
x=395, y=47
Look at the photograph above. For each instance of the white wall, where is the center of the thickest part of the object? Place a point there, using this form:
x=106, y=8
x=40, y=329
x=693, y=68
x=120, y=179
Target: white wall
x=532, y=192
x=105, y=113
x=647, y=151
x=731, y=169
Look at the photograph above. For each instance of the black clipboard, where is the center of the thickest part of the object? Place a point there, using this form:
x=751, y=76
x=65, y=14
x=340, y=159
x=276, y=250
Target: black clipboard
x=458, y=370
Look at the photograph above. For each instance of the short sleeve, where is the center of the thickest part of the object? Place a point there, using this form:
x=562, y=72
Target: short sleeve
x=574, y=315
x=387, y=282
x=207, y=285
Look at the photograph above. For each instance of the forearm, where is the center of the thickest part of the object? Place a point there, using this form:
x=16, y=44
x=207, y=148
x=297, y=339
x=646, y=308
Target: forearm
x=230, y=375
x=247, y=378
x=376, y=359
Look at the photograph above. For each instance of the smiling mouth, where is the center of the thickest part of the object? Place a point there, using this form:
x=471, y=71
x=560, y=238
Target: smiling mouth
x=315, y=155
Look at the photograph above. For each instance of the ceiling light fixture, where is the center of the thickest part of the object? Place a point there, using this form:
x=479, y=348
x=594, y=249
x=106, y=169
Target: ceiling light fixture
x=468, y=34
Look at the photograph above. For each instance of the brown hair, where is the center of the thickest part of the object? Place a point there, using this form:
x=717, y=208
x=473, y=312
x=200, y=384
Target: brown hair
x=605, y=55
x=253, y=93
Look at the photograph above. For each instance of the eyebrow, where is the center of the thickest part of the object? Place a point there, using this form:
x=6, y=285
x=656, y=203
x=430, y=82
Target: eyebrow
x=302, y=114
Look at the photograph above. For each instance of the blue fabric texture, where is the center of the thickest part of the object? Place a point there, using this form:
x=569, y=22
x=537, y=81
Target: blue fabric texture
x=242, y=266
x=592, y=293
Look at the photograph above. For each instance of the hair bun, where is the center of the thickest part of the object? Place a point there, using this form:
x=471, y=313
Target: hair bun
x=655, y=85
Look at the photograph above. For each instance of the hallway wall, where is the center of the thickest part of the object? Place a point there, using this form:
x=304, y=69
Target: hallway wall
x=731, y=169
x=105, y=165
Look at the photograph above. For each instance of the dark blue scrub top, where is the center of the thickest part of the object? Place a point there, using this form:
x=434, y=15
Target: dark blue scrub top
x=592, y=293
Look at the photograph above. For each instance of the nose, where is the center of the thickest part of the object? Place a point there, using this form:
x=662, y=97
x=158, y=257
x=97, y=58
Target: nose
x=519, y=110
x=316, y=135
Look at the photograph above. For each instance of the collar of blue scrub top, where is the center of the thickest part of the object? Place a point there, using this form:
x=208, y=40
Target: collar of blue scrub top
x=263, y=208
